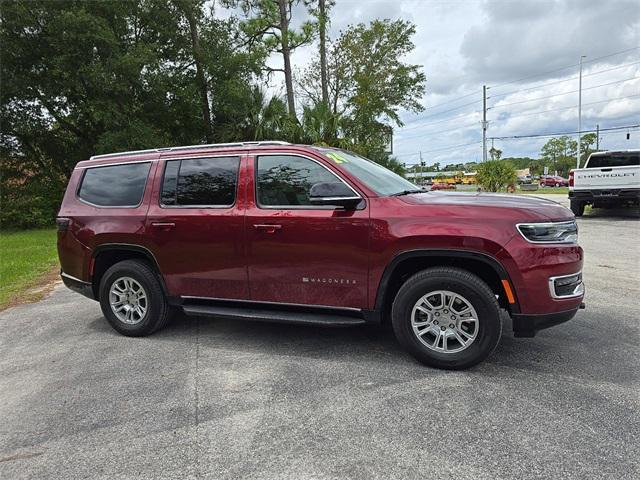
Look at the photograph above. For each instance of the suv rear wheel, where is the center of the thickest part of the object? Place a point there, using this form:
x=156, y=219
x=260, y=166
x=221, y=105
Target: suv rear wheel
x=447, y=318
x=132, y=299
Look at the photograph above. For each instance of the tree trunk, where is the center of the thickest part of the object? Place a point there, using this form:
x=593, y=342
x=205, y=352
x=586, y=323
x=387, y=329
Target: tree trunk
x=200, y=78
x=322, y=20
x=286, y=54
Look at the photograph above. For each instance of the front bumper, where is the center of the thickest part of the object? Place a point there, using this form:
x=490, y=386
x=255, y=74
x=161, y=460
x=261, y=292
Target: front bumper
x=77, y=285
x=526, y=325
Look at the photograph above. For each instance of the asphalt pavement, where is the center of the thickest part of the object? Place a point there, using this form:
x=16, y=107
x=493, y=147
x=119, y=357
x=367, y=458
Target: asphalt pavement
x=213, y=398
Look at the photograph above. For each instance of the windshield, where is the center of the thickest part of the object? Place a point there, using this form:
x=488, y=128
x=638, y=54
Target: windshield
x=378, y=178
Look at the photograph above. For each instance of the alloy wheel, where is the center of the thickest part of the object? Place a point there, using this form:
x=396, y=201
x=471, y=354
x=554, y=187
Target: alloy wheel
x=128, y=300
x=444, y=321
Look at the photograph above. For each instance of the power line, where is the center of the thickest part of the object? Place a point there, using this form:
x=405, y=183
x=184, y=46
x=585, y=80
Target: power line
x=542, y=135
x=456, y=129
x=561, y=94
x=564, y=68
x=573, y=106
x=562, y=81
x=453, y=101
x=450, y=119
x=439, y=149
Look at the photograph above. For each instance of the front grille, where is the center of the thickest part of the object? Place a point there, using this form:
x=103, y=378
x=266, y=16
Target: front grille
x=566, y=286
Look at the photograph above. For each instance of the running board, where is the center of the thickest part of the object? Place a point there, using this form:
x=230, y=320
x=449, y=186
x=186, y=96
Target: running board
x=329, y=319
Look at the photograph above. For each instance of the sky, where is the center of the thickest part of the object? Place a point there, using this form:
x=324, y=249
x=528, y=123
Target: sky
x=527, y=53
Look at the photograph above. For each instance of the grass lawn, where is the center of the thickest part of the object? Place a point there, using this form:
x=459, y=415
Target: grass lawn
x=546, y=191
x=25, y=258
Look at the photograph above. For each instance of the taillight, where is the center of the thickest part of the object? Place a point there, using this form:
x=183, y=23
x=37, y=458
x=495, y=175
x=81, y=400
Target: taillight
x=571, y=178
x=63, y=224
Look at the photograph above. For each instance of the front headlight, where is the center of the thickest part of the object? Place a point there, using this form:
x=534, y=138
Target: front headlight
x=549, y=232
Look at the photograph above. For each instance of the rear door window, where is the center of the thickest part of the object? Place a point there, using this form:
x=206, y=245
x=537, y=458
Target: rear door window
x=200, y=182
x=614, y=160
x=115, y=186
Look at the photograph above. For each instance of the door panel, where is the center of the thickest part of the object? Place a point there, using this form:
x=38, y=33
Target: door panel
x=301, y=254
x=200, y=249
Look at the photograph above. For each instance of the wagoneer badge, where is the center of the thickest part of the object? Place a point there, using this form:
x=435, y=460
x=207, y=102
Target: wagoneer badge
x=337, y=281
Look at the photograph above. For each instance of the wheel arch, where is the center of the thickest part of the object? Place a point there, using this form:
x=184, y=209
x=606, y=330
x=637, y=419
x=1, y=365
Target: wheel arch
x=106, y=255
x=407, y=263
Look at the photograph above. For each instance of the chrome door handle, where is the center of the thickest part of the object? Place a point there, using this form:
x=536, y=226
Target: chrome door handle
x=267, y=228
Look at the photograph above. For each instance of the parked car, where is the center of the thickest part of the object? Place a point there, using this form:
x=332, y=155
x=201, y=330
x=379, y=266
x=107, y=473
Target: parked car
x=443, y=186
x=608, y=179
x=319, y=236
x=524, y=179
x=553, y=181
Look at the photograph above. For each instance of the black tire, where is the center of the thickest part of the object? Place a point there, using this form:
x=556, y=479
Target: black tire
x=461, y=282
x=158, y=311
x=577, y=207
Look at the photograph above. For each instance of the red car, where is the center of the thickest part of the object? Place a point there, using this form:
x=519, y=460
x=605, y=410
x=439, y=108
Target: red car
x=319, y=236
x=553, y=181
x=442, y=186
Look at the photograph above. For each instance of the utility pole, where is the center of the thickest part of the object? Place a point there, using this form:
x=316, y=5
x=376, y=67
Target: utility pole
x=421, y=179
x=579, y=114
x=484, y=123
x=597, y=137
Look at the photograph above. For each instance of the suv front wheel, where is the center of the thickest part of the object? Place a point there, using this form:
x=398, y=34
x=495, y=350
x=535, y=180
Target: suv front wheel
x=132, y=299
x=447, y=318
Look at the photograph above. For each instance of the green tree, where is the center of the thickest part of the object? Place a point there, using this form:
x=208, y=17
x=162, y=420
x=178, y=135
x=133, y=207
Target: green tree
x=268, y=26
x=80, y=78
x=495, y=153
x=320, y=10
x=368, y=82
x=495, y=175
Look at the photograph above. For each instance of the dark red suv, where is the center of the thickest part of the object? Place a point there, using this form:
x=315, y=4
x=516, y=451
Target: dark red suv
x=293, y=233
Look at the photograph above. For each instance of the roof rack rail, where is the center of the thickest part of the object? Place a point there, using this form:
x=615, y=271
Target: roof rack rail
x=190, y=147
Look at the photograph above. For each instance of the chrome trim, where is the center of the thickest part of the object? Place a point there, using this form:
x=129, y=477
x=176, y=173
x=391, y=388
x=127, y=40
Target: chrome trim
x=148, y=160
x=351, y=309
x=188, y=147
x=577, y=292
x=70, y=277
x=331, y=199
x=546, y=224
x=255, y=155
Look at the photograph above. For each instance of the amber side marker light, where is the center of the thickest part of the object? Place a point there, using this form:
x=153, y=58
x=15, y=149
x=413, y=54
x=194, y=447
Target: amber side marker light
x=507, y=290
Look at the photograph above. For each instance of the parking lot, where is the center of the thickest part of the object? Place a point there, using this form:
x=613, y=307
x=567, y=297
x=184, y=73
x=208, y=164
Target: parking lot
x=225, y=399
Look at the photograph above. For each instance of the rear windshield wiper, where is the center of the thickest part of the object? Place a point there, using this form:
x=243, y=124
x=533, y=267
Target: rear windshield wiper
x=407, y=192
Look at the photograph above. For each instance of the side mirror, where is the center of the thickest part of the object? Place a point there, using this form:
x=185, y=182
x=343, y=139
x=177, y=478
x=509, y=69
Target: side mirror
x=333, y=193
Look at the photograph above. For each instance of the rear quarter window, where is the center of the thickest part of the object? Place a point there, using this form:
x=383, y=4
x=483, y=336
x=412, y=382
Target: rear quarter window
x=614, y=160
x=114, y=186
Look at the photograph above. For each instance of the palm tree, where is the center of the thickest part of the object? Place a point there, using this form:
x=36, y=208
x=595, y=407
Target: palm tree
x=259, y=118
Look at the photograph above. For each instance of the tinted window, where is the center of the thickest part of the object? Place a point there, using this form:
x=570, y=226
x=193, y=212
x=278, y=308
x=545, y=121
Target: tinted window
x=614, y=160
x=200, y=181
x=284, y=180
x=117, y=186
x=170, y=182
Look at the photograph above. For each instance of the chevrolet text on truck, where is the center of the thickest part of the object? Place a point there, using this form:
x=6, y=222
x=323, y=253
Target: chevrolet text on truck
x=608, y=180
x=293, y=233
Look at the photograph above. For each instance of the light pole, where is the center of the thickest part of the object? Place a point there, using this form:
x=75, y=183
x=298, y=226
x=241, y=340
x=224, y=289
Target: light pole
x=579, y=113
x=484, y=123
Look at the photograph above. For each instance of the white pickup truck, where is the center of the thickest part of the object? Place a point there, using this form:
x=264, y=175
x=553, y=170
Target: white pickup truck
x=608, y=179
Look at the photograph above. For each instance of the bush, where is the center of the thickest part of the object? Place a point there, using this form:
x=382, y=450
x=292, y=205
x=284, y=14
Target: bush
x=495, y=175
x=28, y=199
